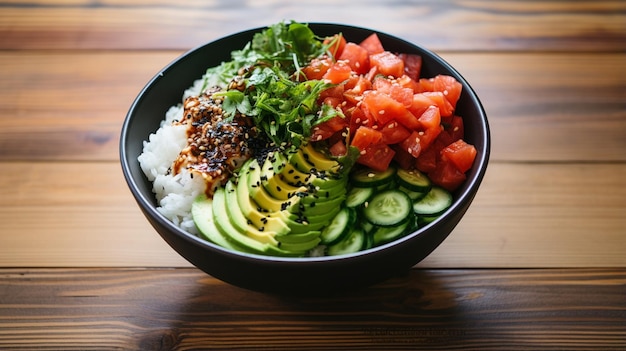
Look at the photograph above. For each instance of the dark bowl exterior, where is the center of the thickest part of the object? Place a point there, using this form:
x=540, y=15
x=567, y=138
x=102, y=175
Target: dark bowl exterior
x=320, y=275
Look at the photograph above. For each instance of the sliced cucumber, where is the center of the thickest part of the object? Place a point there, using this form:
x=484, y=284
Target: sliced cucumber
x=369, y=241
x=339, y=226
x=414, y=180
x=423, y=220
x=434, y=203
x=355, y=241
x=367, y=227
x=386, y=234
x=358, y=196
x=368, y=178
x=389, y=208
x=414, y=195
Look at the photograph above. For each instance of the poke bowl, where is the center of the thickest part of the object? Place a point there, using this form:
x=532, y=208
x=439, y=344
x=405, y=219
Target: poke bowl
x=305, y=158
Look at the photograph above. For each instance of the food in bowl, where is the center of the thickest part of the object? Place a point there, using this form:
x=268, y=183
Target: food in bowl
x=309, y=146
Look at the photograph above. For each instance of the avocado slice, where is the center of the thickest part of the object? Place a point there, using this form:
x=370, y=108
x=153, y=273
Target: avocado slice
x=299, y=237
x=311, y=208
x=253, y=212
x=275, y=185
x=264, y=233
x=202, y=213
x=225, y=226
x=273, y=206
x=260, y=195
x=294, y=176
x=320, y=161
x=299, y=161
x=300, y=246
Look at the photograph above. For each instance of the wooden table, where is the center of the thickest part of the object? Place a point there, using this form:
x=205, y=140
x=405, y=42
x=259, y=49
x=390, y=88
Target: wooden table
x=538, y=262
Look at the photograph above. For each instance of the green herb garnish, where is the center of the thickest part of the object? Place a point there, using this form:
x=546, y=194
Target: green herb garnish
x=277, y=96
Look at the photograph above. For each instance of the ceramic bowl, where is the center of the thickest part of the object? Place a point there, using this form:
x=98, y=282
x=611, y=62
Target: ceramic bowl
x=281, y=275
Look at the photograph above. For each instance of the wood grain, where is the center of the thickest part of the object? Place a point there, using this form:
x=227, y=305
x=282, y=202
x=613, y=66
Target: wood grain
x=537, y=263
x=183, y=309
x=525, y=215
x=439, y=25
x=71, y=105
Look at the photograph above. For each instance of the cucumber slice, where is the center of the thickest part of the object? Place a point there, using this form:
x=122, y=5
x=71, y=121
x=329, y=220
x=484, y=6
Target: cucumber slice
x=357, y=196
x=424, y=220
x=414, y=195
x=389, y=208
x=339, y=226
x=414, y=180
x=386, y=234
x=355, y=241
x=368, y=178
x=434, y=203
x=367, y=227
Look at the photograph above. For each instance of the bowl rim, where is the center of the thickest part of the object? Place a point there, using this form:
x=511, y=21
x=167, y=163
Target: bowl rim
x=147, y=207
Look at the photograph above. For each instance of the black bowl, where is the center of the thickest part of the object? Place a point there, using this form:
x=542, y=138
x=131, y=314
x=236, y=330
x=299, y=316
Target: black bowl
x=282, y=275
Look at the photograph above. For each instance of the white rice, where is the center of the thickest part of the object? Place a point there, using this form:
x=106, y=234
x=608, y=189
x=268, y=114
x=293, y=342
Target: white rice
x=174, y=193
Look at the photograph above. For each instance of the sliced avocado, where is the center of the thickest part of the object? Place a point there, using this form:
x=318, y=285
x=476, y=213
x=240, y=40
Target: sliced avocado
x=319, y=160
x=239, y=220
x=312, y=222
x=241, y=223
x=326, y=182
x=202, y=213
x=259, y=194
x=301, y=246
x=299, y=237
x=298, y=160
x=254, y=214
x=294, y=176
x=312, y=208
x=223, y=223
x=299, y=227
x=322, y=194
x=275, y=185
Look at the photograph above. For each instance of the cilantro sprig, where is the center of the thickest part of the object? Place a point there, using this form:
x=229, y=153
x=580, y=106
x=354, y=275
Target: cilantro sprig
x=281, y=103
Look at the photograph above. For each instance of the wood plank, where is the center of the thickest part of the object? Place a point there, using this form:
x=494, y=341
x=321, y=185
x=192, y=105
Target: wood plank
x=72, y=309
x=525, y=215
x=71, y=105
x=477, y=25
